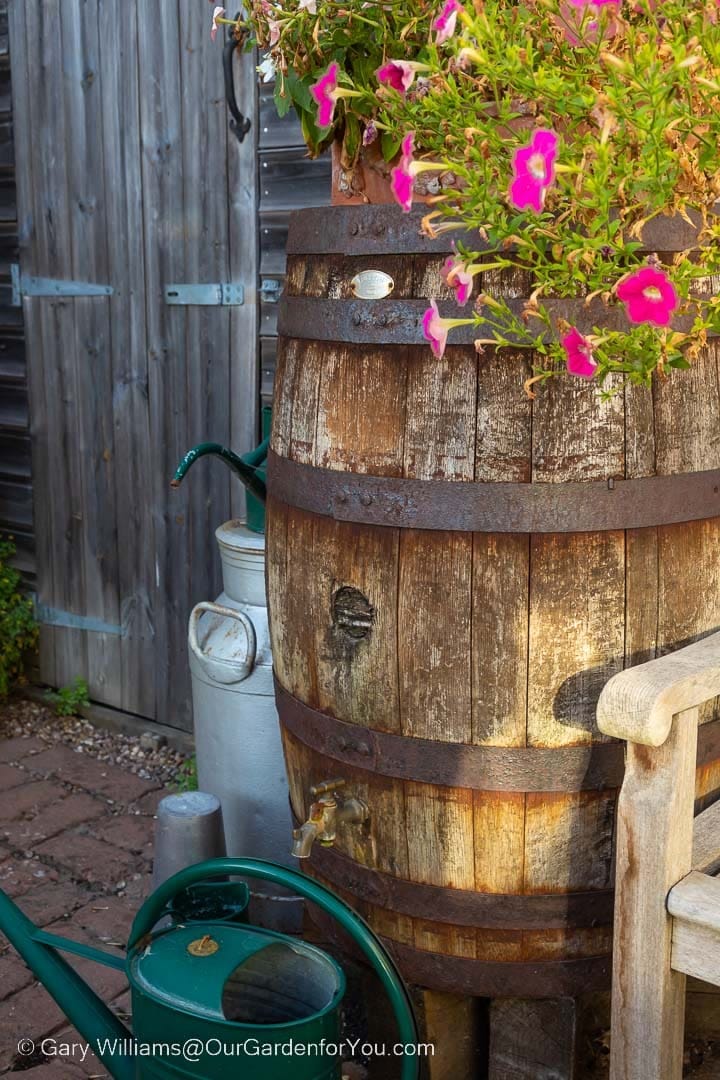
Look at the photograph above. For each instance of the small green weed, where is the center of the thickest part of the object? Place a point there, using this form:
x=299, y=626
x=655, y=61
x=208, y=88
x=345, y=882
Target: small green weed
x=186, y=778
x=68, y=700
x=18, y=629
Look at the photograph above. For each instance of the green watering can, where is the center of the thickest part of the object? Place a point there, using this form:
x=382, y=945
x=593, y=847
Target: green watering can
x=251, y=469
x=215, y=998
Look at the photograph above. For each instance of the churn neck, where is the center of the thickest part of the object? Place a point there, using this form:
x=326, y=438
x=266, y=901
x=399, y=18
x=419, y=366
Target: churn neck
x=242, y=552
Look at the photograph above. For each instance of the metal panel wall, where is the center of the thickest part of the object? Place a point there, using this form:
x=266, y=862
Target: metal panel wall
x=288, y=180
x=16, y=516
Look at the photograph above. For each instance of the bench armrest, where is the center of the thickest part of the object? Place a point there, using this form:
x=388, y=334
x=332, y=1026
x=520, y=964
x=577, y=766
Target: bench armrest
x=638, y=704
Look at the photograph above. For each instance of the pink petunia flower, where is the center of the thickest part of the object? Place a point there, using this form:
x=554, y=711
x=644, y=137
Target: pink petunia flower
x=533, y=171
x=217, y=14
x=459, y=278
x=323, y=92
x=435, y=329
x=649, y=296
x=309, y=6
x=402, y=176
x=398, y=74
x=446, y=21
x=578, y=352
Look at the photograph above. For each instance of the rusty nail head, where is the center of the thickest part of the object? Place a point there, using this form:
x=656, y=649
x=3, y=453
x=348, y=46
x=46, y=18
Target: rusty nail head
x=356, y=319
x=366, y=499
x=354, y=228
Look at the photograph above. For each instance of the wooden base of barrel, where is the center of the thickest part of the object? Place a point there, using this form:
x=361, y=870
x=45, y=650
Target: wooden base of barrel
x=454, y=571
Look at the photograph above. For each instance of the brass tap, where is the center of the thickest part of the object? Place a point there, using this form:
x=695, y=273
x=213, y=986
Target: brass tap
x=326, y=813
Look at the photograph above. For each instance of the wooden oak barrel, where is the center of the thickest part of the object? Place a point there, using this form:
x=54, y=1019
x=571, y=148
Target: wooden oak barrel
x=454, y=571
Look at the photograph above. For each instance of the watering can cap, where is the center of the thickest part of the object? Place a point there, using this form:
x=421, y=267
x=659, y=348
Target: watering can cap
x=190, y=968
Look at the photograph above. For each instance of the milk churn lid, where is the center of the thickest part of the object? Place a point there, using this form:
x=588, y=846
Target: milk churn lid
x=238, y=974
x=236, y=535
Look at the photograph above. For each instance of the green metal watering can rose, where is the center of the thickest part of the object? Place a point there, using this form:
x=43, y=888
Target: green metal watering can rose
x=250, y=468
x=214, y=999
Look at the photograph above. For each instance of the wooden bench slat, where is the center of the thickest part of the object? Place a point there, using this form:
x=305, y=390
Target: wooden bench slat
x=694, y=904
x=706, y=840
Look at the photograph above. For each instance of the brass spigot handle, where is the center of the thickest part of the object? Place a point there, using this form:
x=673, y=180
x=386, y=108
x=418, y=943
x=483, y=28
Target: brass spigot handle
x=326, y=786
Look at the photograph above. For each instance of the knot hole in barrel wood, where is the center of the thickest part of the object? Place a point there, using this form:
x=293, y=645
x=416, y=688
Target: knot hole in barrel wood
x=352, y=612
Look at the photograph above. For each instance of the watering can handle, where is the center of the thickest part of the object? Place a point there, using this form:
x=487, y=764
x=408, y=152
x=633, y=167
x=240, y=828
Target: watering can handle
x=223, y=671
x=374, y=950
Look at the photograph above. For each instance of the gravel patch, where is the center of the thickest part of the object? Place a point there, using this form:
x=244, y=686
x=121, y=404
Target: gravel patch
x=145, y=755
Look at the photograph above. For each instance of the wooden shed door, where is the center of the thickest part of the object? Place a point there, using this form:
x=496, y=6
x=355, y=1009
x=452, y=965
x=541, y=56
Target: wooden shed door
x=128, y=176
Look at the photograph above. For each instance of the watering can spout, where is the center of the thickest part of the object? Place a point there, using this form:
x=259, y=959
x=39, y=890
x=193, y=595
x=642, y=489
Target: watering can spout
x=105, y=1034
x=245, y=467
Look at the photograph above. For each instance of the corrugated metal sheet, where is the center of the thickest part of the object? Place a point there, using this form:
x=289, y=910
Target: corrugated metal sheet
x=16, y=512
x=288, y=180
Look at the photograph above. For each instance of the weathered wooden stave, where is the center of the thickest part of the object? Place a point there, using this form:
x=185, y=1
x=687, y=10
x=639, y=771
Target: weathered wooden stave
x=400, y=413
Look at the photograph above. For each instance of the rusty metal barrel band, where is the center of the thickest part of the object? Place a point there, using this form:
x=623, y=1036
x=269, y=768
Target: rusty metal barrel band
x=446, y=505
x=461, y=765
x=383, y=230
x=483, y=978
x=463, y=907
x=399, y=322
x=445, y=764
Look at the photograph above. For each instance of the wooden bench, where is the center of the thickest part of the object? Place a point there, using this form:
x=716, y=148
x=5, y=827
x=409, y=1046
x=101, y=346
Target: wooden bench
x=667, y=907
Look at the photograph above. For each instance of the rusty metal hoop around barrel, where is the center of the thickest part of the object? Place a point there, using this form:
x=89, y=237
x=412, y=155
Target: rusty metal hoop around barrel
x=483, y=978
x=502, y=507
x=463, y=907
x=383, y=230
x=462, y=765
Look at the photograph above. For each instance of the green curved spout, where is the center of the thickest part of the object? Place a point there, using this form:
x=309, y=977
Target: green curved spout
x=245, y=467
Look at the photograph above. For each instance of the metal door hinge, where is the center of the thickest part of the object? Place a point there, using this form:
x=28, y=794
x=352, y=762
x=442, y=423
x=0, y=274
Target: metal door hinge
x=27, y=285
x=270, y=289
x=50, y=616
x=222, y=294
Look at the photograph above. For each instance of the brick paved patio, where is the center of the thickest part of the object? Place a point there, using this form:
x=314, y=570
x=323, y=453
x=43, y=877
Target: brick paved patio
x=75, y=850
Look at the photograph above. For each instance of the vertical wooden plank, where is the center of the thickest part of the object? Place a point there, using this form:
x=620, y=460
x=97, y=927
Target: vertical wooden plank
x=58, y=482
x=39, y=392
x=88, y=222
x=533, y=1039
x=207, y=329
x=242, y=179
x=654, y=851
x=499, y=828
x=130, y=398
x=439, y=442
x=434, y=613
x=577, y=616
x=500, y=638
x=354, y=576
x=163, y=208
x=361, y=410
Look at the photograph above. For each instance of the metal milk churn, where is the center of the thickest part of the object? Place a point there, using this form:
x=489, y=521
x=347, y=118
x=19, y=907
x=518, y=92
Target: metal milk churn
x=237, y=735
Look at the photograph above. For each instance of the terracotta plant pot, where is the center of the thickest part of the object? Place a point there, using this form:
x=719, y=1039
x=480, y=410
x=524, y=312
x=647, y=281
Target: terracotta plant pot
x=369, y=180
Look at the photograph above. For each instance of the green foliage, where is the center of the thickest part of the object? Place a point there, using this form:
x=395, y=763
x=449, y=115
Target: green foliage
x=69, y=700
x=18, y=629
x=631, y=89
x=187, y=776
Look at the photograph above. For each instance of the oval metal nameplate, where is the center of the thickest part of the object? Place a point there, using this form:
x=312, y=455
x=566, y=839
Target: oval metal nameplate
x=372, y=285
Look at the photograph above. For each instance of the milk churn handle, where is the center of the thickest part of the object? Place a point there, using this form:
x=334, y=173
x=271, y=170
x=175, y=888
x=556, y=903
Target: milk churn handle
x=217, y=662
x=358, y=929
